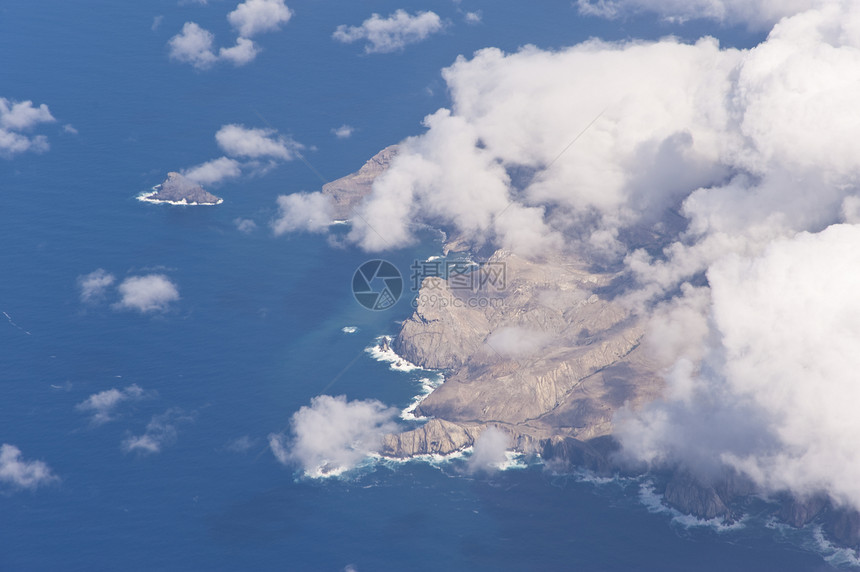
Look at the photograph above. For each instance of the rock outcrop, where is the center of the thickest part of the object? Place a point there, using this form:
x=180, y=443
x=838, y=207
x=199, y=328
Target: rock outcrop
x=800, y=512
x=843, y=525
x=690, y=496
x=345, y=193
x=436, y=437
x=176, y=189
x=594, y=455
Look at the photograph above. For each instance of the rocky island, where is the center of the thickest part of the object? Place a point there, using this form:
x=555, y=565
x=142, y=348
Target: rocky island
x=177, y=190
x=549, y=359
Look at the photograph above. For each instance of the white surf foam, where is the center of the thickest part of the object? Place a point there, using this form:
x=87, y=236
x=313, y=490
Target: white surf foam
x=428, y=384
x=431, y=459
x=586, y=476
x=147, y=198
x=514, y=461
x=389, y=355
x=837, y=556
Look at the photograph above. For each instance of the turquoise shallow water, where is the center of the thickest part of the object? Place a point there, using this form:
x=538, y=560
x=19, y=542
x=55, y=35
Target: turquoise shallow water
x=257, y=331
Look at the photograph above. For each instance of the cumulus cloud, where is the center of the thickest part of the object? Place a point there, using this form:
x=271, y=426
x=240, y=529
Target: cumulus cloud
x=758, y=14
x=102, y=405
x=343, y=132
x=242, y=53
x=392, y=33
x=253, y=17
x=22, y=116
x=214, y=171
x=161, y=431
x=94, y=285
x=489, y=451
x=332, y=434
x=196, y=46
x=149, y=293
x=473, y=17
x=774, y=395
x=193, y=45
x=21, y=474
x=526, y=159
x=250, y=142
x=258, y=150
x=310, y=212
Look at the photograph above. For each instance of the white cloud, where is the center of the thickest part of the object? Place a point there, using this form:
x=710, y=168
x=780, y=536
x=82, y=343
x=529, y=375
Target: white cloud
x=193, y=45
x=515, y=341
x=343, y=132
x=712, y=130
x=262, y=149
x=101, y=405
x=242, y=53
x=150, y=293
x=489, y=451
x=196, y=46
x=214, y=171
x=311, y=212
x=94, y=285
x=253, y=17
x=280, y=446
x=775, y=394
x=241, y=141
x=245, y=225
x=23, y=115
x=19, y=116
x=21, y=474
x=161, y=431
x=333, y=434
x=473, y=17
x=12, y=143
x=392, y=33
x=756, y=14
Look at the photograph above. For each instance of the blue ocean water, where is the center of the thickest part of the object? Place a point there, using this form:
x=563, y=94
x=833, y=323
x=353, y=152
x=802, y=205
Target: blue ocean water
x=257, y=331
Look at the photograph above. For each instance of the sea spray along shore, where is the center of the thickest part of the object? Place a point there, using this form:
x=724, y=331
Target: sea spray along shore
x=486, y=450
x=381, y=351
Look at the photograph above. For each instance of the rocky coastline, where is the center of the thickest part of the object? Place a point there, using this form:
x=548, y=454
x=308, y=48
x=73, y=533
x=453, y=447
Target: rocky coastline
x=549, y=358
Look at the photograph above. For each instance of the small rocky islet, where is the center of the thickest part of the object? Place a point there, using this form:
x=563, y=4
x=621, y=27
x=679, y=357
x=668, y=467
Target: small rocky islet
x=178, y=190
